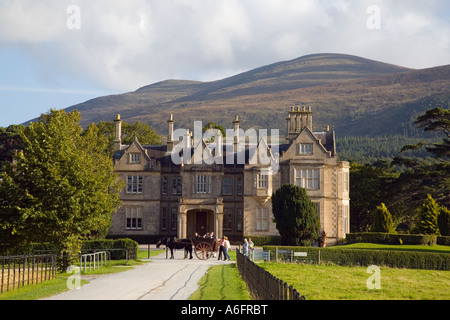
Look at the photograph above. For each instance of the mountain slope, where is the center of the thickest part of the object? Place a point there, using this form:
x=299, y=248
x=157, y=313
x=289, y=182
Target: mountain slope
x=344, y=91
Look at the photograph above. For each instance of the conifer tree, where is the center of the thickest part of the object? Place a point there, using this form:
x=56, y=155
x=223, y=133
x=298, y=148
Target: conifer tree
x=383, y=220
x=295, y=216
x=427, y=217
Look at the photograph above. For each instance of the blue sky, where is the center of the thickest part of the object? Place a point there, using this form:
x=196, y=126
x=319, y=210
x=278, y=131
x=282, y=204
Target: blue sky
x=57, y=53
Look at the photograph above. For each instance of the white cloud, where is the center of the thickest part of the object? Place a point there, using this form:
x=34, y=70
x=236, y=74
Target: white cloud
x=126, y=44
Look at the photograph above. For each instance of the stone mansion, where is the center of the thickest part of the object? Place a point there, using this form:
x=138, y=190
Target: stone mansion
x=169, y=191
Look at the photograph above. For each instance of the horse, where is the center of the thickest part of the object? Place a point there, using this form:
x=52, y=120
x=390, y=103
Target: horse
x=173, y=243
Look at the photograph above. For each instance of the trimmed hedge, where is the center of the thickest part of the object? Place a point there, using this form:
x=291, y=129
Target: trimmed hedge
x=367, y=257
x=265, y=240
x=391, y=238
x=118, y=248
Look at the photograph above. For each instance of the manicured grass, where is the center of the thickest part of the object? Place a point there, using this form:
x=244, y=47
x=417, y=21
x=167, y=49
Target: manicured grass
x=331, y=282
x=221, y=282
x=416, y=248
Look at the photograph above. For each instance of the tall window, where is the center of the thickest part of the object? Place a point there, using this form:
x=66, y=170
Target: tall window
x=262, y=181
x=227, y=219
x=227, y=186
x=201, y=184
x=134, y=184
x=239, y=187
x=177, y=186
x=164, y=185
x=163, y=218
x=174, y=219
x=262, y=219
x=345, y=218
x=346, y=181
x=238, y=219
x=307, y=178
x=133, y=218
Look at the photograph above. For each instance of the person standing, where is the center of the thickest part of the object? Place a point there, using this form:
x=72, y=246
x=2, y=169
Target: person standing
x=221, y=249
x=245, y=247
x=227, y=247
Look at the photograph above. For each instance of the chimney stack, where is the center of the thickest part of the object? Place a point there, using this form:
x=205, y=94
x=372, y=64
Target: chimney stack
x=236, y=133
x=170, y=134
x=118, y=134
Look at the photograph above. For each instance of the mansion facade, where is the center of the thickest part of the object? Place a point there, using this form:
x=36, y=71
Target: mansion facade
x=169, y=191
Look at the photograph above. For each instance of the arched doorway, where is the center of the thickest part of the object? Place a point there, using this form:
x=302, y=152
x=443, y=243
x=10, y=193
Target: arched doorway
x=200, y=221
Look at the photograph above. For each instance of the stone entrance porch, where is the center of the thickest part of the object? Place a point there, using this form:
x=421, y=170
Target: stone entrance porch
x=201, y=216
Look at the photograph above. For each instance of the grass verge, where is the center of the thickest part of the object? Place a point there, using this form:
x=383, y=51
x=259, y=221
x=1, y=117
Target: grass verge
x=221, y=282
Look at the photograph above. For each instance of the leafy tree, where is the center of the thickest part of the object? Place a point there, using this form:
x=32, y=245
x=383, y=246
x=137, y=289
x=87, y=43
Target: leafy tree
x=383, y=220
x=427, y=217
x=62, y=188
x=295, y=216
x=444, y=221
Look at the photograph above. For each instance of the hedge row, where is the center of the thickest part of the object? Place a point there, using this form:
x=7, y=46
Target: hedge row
x=367, y=257
x=390, y=238
x=118, y=248
x=265, y=240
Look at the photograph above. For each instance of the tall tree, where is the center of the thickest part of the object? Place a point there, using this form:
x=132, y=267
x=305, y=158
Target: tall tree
x=62, y=188
x=295, y=216
x=383, y=220
x=427, y=217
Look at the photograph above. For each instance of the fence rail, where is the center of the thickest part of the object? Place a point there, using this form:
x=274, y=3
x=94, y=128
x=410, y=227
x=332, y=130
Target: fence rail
x=94, y=260
x=19, y=271
x=263, y=285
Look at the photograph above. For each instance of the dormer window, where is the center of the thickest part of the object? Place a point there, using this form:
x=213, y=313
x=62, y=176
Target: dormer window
x=135, y=158
x=304, y=148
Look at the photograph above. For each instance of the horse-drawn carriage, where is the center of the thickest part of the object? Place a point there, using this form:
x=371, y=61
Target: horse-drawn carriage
x=204, y=248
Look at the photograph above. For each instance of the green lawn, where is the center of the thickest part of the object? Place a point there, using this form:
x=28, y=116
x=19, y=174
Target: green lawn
x=221, y=282
x=331, y=282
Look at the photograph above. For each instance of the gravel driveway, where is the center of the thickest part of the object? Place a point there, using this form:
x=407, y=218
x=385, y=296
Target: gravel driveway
x=160, y=279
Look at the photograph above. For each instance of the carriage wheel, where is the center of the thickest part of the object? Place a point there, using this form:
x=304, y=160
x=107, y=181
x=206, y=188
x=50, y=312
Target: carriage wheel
x=203, y=251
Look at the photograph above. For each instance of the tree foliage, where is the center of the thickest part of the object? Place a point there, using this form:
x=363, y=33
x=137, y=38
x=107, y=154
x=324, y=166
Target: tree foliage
x=62, y=188
x=444, y=221
x=427, y=217
x=295, y=216
x=383, y=220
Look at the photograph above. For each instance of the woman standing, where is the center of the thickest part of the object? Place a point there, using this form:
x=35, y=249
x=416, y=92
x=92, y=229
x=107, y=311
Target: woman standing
x=227, y=247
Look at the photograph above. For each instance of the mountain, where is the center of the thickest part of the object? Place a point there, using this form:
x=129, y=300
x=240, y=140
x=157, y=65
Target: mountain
x=354, y=95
